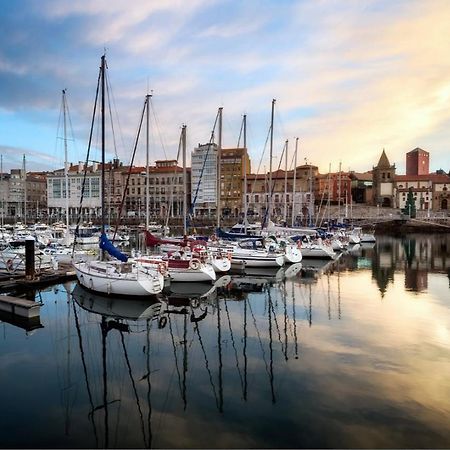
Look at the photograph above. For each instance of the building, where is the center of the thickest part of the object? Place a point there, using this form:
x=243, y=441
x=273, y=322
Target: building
x=335, y=187
x=383, y=182
x=204, y=180
x=417, y=162
x=281, y=204
x=36, y=196
x=20, y=197
x=166, y=191
x=430, y=190
x=362, y=187
x=234, y=163
x=57, y=200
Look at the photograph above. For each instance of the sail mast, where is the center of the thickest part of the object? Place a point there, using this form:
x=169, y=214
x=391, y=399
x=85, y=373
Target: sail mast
x=183, y=146
x=329, y=192
x=147, y=170
x=269, y=199
x=24, y=191
x=219, y=157
x=103, y=150
x=245, y=157
x=66, y=173
x=285, y=182
x=295, y=179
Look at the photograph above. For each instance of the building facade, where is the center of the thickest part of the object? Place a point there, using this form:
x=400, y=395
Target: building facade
x=417, y=162
x=204, y=180
x=166, y=190
x=282, y=204
x=383, y=182
x=234, y=163
x=23, y=198
x=58, y=198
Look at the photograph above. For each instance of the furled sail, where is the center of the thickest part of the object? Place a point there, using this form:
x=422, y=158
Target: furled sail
x=107, y=245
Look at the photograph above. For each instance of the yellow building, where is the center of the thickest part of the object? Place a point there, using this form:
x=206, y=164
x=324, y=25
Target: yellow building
x=234, y=162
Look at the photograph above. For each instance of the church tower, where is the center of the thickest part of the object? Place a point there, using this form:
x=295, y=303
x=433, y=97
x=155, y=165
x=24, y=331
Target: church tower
x=383, y=182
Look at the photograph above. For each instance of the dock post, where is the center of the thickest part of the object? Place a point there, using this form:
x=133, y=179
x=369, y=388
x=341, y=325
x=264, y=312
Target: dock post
x=29, y=258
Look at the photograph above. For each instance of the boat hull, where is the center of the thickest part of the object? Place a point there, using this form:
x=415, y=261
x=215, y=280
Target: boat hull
x=138, y=282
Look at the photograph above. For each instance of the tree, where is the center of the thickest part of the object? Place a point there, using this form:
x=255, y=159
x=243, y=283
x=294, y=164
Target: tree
x=410, y=206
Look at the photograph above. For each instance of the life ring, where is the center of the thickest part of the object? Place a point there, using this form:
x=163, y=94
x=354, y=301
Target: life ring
x=197, y=249
x=194, y=263
x=162, y=268
x=162, y=322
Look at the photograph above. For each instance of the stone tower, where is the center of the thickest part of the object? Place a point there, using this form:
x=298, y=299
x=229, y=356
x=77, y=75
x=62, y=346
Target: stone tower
x=417, y=162
x=383, y=182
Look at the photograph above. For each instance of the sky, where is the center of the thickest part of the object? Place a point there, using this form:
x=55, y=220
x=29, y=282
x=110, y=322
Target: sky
x=349, y=78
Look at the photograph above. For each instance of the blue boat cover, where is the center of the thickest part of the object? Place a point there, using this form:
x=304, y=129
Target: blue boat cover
x=107, y=245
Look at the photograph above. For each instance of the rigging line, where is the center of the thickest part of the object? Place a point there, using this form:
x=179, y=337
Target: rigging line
x=173, y=182
x=127, y=181
x=259, y=337
x=130, y=373
x=240, y=134
x=211, y=140
x=233, y=344
x=58, y=129
x=83, y=185
x=260, y=161
x=71, y=128
x=83, y=361
x=158, y=129
x=110, y=89
x=197, y=330
x=272, y=188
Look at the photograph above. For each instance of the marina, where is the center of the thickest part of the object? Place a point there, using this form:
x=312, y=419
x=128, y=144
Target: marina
x=357, y=346
x=225, y=225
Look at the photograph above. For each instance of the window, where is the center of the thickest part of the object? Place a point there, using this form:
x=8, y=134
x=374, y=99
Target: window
x=95, y=187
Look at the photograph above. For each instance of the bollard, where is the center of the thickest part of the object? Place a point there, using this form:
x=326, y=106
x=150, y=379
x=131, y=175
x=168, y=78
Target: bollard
x=29, y=258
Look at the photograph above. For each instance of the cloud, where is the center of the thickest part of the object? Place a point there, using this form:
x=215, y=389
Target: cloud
x=349, y=78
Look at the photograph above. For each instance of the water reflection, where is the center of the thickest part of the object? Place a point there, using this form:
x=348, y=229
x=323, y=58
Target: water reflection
x=265, y=360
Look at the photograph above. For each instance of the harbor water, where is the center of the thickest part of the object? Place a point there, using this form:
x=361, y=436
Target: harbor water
x=351, y=353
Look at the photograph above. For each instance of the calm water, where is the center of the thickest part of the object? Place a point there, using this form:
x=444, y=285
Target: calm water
x=354, y=354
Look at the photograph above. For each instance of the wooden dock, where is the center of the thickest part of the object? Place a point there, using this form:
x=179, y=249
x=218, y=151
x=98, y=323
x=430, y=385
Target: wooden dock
x=19, y=306
x=10, y=283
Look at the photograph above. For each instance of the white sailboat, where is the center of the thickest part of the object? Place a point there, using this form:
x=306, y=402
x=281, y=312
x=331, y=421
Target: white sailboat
x=115, y=276
x=180, y=264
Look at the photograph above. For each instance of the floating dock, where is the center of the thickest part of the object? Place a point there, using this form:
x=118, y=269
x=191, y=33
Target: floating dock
x=10, y=283
x=20, y=306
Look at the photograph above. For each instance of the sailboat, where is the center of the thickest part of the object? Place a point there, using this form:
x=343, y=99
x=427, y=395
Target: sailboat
x=184, y=264
x=116, y=276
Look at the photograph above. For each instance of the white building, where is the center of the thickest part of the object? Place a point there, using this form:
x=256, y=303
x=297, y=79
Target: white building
x=204, y=179
x=56, y=192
